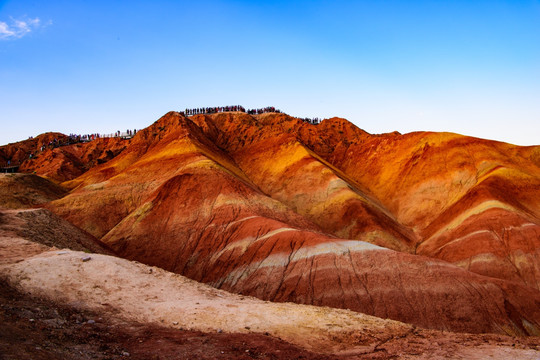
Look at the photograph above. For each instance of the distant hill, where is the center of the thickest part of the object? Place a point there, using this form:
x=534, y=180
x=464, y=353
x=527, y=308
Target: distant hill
x=59, y=157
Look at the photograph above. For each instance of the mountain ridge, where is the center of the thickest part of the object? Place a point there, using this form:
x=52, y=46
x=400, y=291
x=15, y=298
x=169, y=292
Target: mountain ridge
x=238, y=201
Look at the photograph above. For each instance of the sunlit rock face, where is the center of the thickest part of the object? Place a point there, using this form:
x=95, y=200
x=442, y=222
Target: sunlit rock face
x=434, y=229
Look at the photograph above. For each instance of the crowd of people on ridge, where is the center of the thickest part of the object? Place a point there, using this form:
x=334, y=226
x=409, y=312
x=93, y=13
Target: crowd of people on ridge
x=313, y=121
x=219, y=109
x=212, y=110
x=267, y=109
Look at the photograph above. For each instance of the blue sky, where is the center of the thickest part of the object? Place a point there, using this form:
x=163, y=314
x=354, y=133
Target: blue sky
x=471, y=67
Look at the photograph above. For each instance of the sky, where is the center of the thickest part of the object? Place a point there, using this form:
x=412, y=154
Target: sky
x=470, y=67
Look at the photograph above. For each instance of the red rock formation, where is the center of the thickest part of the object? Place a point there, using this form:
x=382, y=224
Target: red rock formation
x=490, y=231
x=60, y=161
x=19, y=152
x=206, y=225
x=274, y=207
x=418, y=177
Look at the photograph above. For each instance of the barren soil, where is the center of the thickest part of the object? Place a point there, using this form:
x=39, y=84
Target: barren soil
x=33, y=328
x=27, y=190
x=145, y=311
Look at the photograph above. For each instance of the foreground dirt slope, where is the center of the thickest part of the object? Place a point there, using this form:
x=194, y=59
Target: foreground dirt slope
x=43, y=228
x=280, y=209
x=130, y=308
x=151, y=295
x=27, y=190
x=39, y=329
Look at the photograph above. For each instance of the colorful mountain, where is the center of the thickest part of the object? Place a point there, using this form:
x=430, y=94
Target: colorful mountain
x=437, y=230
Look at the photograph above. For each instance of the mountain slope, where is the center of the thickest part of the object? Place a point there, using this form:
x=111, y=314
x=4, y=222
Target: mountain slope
x=273, y=207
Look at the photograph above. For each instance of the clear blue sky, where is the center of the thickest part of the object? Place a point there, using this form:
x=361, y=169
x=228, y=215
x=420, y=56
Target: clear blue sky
x=471, y=67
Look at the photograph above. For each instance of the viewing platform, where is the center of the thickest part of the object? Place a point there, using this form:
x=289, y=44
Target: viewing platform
x=9, y=169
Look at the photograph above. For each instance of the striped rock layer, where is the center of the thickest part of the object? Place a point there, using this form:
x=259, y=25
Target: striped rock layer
x=434, y=229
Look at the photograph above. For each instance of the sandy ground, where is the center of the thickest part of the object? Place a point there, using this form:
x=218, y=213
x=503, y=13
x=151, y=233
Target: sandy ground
x=127, y=292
